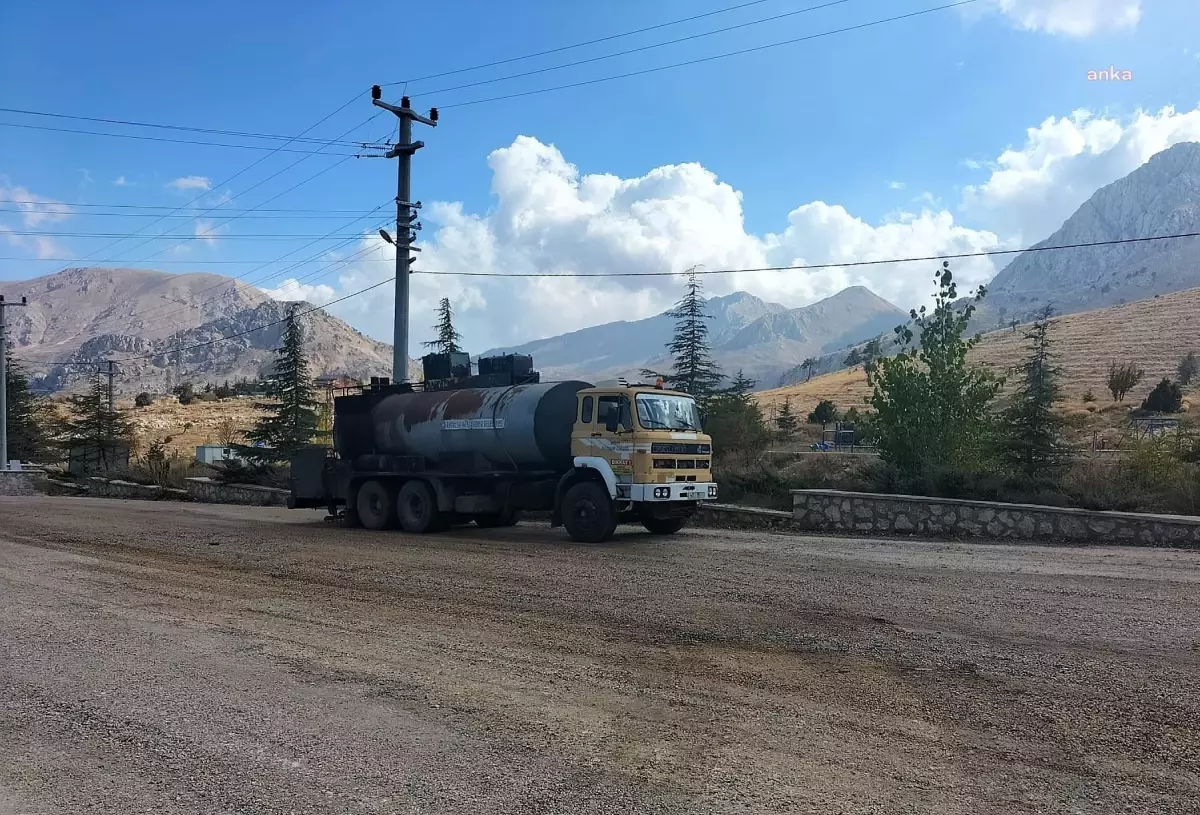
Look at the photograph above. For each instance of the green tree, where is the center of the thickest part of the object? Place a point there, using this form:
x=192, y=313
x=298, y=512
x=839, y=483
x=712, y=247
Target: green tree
x=735, y=420
x=786, y=421
x=104, y=433
x=1122, y=379
x=143, y=399
x=931, y=411
x=1167, y=397
x=292, y=419
x=872, y=351
x=1033, y=443
x=824, y=413
x=186, y=393
x=808, y=366
x=448, y=338
x=1188, y=368
x=28, y=416
x=853, y=358
x=692, y=367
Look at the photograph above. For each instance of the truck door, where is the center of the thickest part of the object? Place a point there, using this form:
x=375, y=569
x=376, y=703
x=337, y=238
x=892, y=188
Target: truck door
x=616, y=445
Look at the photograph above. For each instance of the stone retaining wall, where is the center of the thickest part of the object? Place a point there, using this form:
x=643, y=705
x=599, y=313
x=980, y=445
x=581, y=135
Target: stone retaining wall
x=22, y=482
x=115, y=488
x=210, y=491
x=729, y=516
x=835, y=511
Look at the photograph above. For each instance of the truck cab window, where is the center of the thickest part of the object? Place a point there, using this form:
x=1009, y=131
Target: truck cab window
x=614, y=404
x=586, y=414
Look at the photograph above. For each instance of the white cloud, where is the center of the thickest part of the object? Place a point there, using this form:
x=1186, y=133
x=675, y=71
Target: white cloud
x=293, y=289
x=1071, y=18
x=896, y=185
x=122, y=181
x=548, y=218
x=190, y=182
x=36, y=212
x=208, y=231
x=1034, y=188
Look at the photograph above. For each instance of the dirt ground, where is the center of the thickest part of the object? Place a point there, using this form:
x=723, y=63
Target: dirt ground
x=174, y=658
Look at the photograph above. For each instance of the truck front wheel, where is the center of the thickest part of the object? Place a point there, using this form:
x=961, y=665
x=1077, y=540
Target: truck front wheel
x=418, y=509
x=588, y=513
x=664, y=526
x=376, y=505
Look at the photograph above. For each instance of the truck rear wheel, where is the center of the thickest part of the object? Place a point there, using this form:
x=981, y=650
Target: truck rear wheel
x=376, y=505
x=664, y=526
x=418, y=509
x=588, y=513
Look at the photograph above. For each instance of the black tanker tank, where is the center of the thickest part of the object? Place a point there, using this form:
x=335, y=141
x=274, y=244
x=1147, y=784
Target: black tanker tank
x=527, y=427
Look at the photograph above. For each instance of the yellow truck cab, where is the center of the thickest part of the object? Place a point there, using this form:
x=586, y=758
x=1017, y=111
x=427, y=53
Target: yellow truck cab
x=640, y=455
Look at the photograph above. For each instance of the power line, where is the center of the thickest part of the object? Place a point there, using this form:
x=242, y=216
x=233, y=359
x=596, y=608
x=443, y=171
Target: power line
x=210, y=235
x=243, y=171
x=809, y=267
x=700, y=60
x=637, y=50
x=562, y=48
x=156, y=263
x=272, y=150
x=208, y=130
x=167, y=206
x=71, y=213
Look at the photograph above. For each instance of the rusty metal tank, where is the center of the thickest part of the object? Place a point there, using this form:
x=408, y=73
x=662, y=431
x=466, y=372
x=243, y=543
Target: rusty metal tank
x=526, y=427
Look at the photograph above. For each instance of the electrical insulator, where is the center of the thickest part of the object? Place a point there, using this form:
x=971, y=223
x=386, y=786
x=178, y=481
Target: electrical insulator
x=404, y=101
x=433, y=114
x=376, y=92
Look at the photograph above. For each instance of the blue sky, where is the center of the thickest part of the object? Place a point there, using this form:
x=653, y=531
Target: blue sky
x=881, y=124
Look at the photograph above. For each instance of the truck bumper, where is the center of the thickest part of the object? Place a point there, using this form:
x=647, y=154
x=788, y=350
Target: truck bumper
x=673, y=491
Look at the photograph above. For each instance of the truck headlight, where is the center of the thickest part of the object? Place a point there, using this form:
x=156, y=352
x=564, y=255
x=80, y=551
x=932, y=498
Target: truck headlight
x=712, y=490
x=662, y=492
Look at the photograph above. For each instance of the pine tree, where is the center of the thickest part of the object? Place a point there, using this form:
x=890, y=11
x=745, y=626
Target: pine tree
x=292, y=419
x=104, y=434
x=1188, y=368
x=692, y=367
x=448, y=338
x=786, y=420
x=28, y=419
x=809, y=366
x=1034, y=440
x=735, y=420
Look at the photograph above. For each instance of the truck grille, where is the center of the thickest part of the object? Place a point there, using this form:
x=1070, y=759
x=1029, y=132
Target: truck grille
x=680, y=449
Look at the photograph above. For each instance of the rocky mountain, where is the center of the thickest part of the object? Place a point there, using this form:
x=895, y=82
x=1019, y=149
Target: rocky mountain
x=81, y=315
x=760, y=338
x=1162, y=197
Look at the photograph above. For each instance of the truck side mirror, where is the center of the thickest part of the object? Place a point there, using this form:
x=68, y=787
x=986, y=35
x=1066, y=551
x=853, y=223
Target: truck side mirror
x=612, y=422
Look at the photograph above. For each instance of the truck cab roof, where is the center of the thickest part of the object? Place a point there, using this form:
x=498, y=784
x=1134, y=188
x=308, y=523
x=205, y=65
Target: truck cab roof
x=632, y=389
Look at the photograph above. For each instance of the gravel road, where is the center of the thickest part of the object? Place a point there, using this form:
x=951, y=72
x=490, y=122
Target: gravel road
x=177, y=658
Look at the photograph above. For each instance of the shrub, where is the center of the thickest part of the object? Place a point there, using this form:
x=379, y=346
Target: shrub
x=1167, y=397
x=1189, y=366
x=824, y=413
x=1089, y=396
x=143, y=399
x=186, y=393
x=1122, y=379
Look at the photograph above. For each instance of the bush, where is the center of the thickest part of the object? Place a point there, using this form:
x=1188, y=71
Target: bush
x=1122, y=379
x=224, y=391
x=824, y=413
x=236, y=471
x=143, y=399
x=1167, y=397
x=1189, y=366
x=185, y=392
x=1089, y=396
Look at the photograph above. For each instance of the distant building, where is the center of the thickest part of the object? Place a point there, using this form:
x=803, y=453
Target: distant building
x=212, y=453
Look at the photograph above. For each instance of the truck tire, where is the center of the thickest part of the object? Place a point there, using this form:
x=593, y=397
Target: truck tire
x=376, y=505
x=664, y=526
x=418, y=510
x=493, y=520
x=588, y=513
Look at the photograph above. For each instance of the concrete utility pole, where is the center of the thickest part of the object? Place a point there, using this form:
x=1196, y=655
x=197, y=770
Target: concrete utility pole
x=406, y=215
x=4, y=379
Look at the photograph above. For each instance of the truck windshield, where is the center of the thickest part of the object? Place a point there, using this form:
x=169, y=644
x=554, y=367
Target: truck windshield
x=667, y=412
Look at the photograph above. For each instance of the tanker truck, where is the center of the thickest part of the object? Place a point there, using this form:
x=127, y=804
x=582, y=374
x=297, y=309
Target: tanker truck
x=484, y=448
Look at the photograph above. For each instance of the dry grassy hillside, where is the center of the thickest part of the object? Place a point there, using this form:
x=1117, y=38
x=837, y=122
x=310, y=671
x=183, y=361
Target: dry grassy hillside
x=1152, y=333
